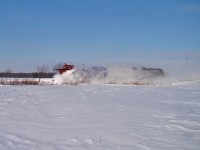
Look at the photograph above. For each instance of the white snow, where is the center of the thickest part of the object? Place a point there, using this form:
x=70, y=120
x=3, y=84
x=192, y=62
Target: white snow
x=96, y=117
x=123, y=76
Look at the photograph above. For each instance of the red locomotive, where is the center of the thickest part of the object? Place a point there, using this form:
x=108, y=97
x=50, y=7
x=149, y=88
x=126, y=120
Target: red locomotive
x=65, y=68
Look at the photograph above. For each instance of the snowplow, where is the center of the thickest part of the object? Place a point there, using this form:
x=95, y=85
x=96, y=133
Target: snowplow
x=65, y=68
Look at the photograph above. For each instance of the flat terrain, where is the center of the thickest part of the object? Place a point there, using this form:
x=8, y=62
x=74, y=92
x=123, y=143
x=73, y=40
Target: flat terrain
x=96, y=117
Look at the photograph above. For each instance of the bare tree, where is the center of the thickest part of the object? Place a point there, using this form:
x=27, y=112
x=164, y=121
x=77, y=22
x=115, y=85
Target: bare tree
x=58, y=66
x=8, y=72
x=41, y=70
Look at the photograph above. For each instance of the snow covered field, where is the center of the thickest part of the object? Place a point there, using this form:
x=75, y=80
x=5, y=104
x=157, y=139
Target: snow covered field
x=94, y=117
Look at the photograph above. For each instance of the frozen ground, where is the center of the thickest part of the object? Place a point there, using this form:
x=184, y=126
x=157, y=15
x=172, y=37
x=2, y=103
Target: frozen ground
x=96, y=117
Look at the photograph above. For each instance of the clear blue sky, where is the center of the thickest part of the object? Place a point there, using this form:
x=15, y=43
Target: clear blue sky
x=97, y=32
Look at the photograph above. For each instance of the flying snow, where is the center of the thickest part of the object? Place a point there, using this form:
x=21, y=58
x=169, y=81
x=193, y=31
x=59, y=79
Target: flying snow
x=111, y=75
x=123, y=75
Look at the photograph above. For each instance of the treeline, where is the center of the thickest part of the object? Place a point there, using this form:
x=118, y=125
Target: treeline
x=26, y=75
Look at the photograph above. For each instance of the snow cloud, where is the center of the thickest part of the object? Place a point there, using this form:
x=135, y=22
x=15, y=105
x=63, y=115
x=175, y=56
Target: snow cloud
x=129, y=75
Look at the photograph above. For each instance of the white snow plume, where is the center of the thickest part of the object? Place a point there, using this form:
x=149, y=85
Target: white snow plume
x=111, y=75
x=70, y=77
x=129, y=76
x=176, y=72
x=123, y=75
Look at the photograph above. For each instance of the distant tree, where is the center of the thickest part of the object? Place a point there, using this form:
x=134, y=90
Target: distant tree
x=41, y=70
x=8, y=72
x=58, y=66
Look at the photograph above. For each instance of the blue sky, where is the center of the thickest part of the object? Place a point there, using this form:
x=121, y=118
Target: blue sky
x=149, y=32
